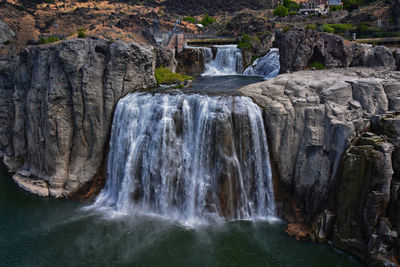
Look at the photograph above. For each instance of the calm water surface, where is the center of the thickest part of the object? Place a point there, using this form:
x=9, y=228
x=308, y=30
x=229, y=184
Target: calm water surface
x=48, y=232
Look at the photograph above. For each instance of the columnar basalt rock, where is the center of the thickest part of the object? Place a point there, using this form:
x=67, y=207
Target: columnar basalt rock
x=312, y=119
x=57, y=106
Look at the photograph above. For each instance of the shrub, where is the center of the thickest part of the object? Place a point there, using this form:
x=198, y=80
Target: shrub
x=207, y=20
x=291, y=5
x=327, y=28
x=49, y=40
x=190, y=19
x=244, y=42
x=317, y=65
x=362, y=27
x=165, y=76
x=311, y=27
x=340, y=28
x=7, y=42
x=81, y=33
x=281, y=11
x=335, y=8
x=286, y=28
x=350, y=5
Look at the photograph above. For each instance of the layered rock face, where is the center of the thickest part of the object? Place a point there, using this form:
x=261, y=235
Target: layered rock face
x=299, y=48
x=312, y=119
x=57, y=104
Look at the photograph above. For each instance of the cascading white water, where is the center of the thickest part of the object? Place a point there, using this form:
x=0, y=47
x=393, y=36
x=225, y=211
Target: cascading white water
x=189, y=157
x=267, y=66
x=228, y=61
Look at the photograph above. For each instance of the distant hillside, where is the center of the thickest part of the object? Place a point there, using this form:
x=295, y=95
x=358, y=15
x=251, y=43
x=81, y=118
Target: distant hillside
x=194, y=7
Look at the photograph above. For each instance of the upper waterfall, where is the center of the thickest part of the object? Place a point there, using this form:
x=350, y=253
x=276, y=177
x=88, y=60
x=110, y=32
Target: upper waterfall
x=228, y=61
x=189, y=157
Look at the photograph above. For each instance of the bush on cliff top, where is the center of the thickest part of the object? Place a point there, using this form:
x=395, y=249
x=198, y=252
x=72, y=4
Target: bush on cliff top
x=244, y=42
x=327, y=28
x=165, y=76
x=49, y=40
x=281, y=11
x=190, y=19
x=311, y=27
x=207, y=20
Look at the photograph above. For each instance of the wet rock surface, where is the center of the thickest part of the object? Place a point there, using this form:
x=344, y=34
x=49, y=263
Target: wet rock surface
x=57, y=106
x=334, y=139
x=191, y=61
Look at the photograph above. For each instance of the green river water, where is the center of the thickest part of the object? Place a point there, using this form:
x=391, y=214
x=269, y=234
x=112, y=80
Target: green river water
x=38, y=231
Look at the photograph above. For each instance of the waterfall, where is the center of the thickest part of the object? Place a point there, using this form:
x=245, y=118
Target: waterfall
x=228, y=61
x=188, y=157
x=267, y=66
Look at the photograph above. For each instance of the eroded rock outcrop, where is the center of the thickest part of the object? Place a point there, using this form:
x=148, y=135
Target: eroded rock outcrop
x=57, y=103
x=6, y=34
x=299, y=48
x=314, y=120
x=191, y=60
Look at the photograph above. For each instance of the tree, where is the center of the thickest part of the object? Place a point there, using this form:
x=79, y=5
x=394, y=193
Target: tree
x=291, y=5
x=281, y=11
x=207, y=20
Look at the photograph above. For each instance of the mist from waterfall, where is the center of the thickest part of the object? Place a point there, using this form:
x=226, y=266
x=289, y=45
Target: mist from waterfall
x=192, y=158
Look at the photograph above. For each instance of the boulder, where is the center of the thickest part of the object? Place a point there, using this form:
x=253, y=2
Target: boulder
x=165, y=58
x=191, y=60
x=375, y=56
x=57, y=107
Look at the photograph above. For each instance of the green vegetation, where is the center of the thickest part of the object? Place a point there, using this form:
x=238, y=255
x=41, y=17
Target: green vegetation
x=281, y=11
x=341, y=28
x=207, y=20
x=286, y=28
x=311, y=27
x=190, y=19
x=327, y=28
x=335, y=8
x=49, y=40
x=291, y=5
x=244, y=42
x=165, y=76
x=81, y=33
x=350, y=5
x=7, y=42
x=317, y=65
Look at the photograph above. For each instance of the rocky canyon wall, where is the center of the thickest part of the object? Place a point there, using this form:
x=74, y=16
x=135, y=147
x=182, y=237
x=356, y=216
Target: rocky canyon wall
x=57, y=104
x=322, y=130
x=300, y=47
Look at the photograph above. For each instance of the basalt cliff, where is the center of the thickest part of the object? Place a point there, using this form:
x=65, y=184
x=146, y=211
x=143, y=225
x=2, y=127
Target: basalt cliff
x=334, y=140
x=333, y=135
x=57, y=104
